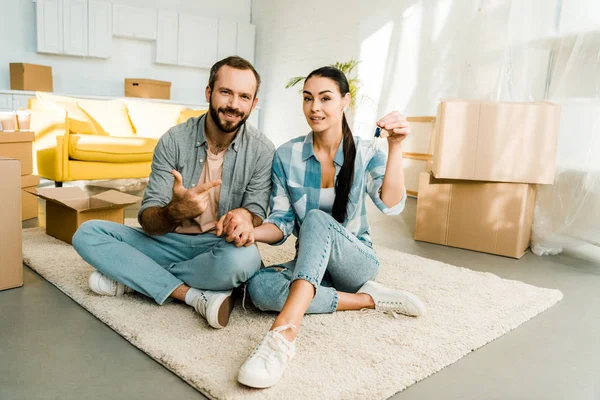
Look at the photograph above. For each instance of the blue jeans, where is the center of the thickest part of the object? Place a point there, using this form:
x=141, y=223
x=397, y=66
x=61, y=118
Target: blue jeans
x=329, y=257
x=156, y=265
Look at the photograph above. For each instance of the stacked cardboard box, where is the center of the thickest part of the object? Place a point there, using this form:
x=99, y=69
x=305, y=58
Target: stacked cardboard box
x=18, y=145
x=11, y=266
x=479, y=193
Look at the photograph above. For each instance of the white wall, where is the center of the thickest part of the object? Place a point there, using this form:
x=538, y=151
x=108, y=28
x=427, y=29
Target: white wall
x=130, y=58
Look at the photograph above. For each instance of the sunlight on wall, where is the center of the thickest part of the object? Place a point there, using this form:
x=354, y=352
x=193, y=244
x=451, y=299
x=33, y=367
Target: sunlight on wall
x=442, y=10
x=371, y=70
x=406, y=73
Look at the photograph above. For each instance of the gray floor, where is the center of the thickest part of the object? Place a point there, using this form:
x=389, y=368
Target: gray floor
x=50, y=348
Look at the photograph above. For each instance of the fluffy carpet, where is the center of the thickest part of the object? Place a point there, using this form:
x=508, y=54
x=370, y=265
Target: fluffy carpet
x=342, y=355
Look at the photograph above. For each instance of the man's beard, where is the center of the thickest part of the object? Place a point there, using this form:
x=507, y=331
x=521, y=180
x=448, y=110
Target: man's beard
x=227, y=126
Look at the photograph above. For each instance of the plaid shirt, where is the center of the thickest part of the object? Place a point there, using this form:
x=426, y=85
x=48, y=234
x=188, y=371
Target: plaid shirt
x=297, y=186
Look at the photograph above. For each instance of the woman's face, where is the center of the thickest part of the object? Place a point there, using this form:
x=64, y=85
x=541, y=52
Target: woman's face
x=323, y=103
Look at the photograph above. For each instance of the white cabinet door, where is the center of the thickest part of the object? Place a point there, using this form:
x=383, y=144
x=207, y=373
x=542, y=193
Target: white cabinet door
x=100, y=29
x=166, y=37
x=49, y=18
x=245, y=41
x=21, y=101
x=75, y=27
x=227, y=39
x=6, y=102
x=197, y=41
x=134, y=22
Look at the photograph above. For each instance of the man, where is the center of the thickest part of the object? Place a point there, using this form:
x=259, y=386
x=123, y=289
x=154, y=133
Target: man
x=209, y=167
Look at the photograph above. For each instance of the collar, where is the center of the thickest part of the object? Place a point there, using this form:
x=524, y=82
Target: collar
x=201, y=136
x=309, y=151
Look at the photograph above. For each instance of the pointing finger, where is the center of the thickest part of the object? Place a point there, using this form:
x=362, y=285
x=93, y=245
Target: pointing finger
x=205, y=187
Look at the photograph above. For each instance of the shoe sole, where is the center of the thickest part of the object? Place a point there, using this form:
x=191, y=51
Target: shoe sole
x=225, y=311
x=256, y=382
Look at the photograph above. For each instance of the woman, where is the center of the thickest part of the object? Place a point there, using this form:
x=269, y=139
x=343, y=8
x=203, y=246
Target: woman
x=320, y=182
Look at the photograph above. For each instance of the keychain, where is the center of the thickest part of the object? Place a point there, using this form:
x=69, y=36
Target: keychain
x=379, y=134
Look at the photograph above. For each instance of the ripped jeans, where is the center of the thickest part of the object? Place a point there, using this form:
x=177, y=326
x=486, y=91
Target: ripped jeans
x=329, y=257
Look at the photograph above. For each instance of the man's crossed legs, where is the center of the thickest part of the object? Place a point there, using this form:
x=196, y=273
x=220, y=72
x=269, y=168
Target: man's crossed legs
x=129, y=259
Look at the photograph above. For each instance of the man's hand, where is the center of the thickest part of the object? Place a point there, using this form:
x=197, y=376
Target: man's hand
x=237, y=226
x=189, y=203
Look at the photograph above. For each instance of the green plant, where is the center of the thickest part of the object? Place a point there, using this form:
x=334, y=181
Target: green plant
x=347, y=68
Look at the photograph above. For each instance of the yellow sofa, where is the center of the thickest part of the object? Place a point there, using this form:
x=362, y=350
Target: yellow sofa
x=82, y=139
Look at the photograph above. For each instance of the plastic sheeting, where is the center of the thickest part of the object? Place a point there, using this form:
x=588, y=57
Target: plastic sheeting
x=506, y=50
x=550, y=57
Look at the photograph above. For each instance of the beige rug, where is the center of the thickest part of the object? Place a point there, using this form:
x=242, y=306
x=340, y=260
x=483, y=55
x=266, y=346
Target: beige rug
x=340, y=356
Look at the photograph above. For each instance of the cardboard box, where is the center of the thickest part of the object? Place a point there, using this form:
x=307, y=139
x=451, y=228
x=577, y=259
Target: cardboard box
x=494, y=141
x=413, y=168
x=483, y=216
x=11, y=262
x=147, y=88
x=31, y=77
x=29, y=202
x=18, y=145
x=69, y=207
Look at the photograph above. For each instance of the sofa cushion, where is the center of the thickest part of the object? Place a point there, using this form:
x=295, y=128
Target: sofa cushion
x=111, y=115
x=110, y=148
x=79, y=120
x=153, y=119
x=187, y=114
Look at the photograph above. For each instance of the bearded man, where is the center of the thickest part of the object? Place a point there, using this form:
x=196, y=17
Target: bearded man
x=209, y=187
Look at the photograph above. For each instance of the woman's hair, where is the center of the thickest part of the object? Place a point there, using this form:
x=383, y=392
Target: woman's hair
x=346, y=175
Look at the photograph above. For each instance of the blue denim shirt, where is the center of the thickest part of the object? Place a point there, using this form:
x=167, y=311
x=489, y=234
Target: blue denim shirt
x=246, y=167
x=297, y=186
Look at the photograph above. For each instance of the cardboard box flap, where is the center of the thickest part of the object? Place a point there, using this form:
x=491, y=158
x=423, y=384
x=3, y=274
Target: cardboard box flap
x=72, y=197
x=29, y=181
x=116, y=198
x=76, y=198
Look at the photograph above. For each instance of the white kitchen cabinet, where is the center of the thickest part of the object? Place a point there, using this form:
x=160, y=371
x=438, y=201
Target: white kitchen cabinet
x=49, y=18
x=246, y=34
x=167, y=37
x=134, y=22
x=198, y=38
x=100, y=28
x=6, y=102
x=20, y=101
x=75, y=27
x=227, y=45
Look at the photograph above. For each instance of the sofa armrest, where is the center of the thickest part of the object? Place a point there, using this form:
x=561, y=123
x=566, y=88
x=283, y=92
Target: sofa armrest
x=50, y=128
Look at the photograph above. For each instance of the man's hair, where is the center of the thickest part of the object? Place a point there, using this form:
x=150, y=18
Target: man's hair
x=233, y=62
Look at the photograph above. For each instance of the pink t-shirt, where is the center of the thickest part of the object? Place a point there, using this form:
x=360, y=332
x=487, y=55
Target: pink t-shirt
x=207, y=221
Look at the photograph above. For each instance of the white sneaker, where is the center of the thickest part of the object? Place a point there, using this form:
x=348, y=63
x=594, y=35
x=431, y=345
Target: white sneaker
x=103, y=285
x=393, y=300
x=214, y=306
x=265, y=366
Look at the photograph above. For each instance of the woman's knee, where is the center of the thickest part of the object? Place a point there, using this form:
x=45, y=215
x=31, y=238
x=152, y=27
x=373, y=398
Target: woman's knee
x=268, y=289
x=315, y=219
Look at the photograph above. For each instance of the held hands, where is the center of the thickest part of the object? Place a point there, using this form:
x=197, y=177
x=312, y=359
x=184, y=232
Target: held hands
x=237, y=226
x=189, y=203
x=396, y=126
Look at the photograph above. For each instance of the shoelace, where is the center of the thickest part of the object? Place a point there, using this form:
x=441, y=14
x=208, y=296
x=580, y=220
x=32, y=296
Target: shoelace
x=274, y=342
x=384, y=307
x=201, y=303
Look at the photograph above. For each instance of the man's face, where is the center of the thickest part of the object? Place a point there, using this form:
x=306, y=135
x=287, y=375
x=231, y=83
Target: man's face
x=232, y=98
